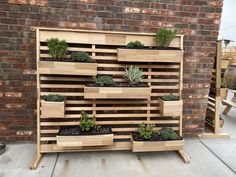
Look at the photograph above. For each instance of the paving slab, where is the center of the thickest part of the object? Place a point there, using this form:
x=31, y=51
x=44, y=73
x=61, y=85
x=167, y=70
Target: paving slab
x=224, y=150
x=17, y=158
x=128, y=164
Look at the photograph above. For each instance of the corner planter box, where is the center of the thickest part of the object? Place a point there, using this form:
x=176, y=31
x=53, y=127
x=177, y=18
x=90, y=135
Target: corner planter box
x=152, y=146
x=52, y=109
x=171, y=108
x=67, y=68
x=116, y=92
x=223, y=93
x=149, y=55
x=224, y=64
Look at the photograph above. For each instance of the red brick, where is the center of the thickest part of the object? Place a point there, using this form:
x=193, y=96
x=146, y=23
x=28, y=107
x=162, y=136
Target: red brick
x=87, y=25
x=68, y=24
x=38, y=2
x=132, y=10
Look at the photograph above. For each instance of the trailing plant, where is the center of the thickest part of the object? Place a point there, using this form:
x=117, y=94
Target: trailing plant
x=54, y=98
x=135, y=45
x=81, y=57
x=57, y=48
x=146, y=131
x=133, y=75
x=164, y=37
x=168, y=134
x=87, y=123
x=223, y=83
x=105, y=81
x=170, y=97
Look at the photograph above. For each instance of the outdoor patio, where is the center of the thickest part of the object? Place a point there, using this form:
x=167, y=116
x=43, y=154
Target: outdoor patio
x=209, y=158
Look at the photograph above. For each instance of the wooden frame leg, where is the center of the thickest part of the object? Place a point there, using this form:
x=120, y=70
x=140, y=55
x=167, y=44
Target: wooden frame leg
x=34, y=164
x=183, y=156
x=227, y=109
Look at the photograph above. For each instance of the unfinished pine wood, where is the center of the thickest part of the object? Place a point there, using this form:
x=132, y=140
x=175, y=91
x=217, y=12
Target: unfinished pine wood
x=117, y=92
x=149, y=55
x=223, y=93
x=151, y=146
x=85, y=140
x=51, y=109
x=171, y=108
x=67, y=68
x=224, y=64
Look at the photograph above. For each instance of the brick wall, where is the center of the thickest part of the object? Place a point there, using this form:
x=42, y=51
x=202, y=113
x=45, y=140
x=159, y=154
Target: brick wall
x=199, y=20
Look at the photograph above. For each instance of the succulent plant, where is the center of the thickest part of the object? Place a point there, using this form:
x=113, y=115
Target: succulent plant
x=135, y=45
x=170, y=98
x=104, y=81
x=133, y=75
x=57, y=48
x=81, y=57
x=54, y=98
x=168, y=134
x=87, y=123
x=146, y=131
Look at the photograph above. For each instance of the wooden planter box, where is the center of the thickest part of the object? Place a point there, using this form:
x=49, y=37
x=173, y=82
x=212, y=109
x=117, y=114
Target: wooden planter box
x=52, y=109
x=117, y=92
x=84, y=140
x=171, y=108
x=224, y=64
x=68, y=68
x=149, y=55
x=151, y=146
x=223, y=93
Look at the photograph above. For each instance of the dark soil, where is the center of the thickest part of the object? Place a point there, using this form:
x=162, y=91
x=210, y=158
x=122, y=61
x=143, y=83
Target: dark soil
x=68, y=60
x=120, y=85
x=76, y=130
x=169, y=100
x=155, y=137
x=156, y=48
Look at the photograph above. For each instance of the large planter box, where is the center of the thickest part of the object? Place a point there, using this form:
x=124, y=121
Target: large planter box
x=51, y=109
x=149, y=55
x=223, y=93
x=84, y=140
x=171, y=108
x=152, y=146
x=117, y=92
x=67, y=68
x=224, y=64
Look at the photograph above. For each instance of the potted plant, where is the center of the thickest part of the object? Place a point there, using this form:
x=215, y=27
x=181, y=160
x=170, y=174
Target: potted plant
x=87, y=133
x=53, y=106
x=137, y=52
x=223, y=90
x=106, y=88
x=146, y=139
x=80, y=63
x=170, y=105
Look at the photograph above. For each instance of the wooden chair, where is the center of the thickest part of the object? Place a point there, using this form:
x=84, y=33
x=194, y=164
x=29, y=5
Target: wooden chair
x=229, y=104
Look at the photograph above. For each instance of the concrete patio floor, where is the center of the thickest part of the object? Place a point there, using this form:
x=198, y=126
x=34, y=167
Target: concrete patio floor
x=209, y=158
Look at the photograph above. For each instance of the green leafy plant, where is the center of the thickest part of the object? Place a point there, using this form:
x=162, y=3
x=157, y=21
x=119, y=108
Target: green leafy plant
x=104, y=81
x=164, y=37
x=168, y=134
x=135, y=45
x=223, y=83
x=54, y=98
x=81, y=57
x=146, y=131
x=133, y=75
x=57, y=48
x=86, y=122
x=170, y=98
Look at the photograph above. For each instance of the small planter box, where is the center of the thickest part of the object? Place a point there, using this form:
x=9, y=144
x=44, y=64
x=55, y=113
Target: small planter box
x=149, y=55
x=84, y=140
x=224, y=64
x=171, y=108
x=151, y=146
x=117, y=92
x=52, y=109
x=223, y=93
x=68, y=68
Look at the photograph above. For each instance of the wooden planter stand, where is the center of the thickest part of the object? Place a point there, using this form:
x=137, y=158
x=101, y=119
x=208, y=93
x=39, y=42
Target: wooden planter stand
x=117, y=92
x=51, y=109
x=84, y=140
x=152, y=146
x=171, y=108
x=224, y=64
x=223, y=93
x=67, y=68
x=149, y=55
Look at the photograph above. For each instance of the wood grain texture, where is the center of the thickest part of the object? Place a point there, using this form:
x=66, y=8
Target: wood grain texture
x=67, y=68
x=148, y=55
x=171, y=108
x=117, y=92
x=51, y=109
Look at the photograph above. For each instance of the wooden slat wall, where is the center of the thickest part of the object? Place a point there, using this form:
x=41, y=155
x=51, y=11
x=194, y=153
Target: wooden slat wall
x=213, y=109
x=122, y=115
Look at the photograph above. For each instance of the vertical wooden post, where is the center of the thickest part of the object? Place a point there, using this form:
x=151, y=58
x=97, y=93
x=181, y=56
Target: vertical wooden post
x=94, y=54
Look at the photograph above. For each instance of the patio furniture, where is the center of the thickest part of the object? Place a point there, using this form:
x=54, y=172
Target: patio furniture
x=229, y=104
